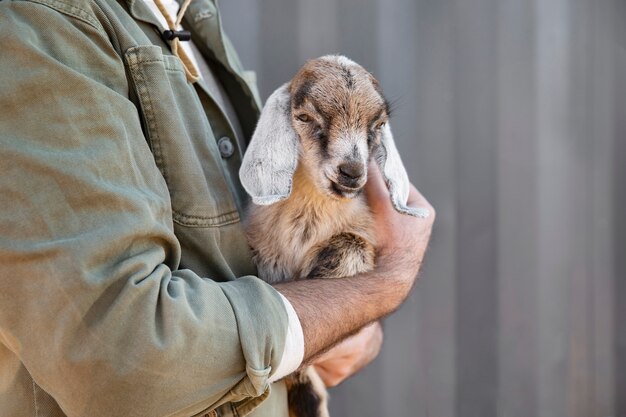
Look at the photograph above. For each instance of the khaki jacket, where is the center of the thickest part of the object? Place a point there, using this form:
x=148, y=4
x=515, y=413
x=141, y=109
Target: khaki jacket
x=126, y=283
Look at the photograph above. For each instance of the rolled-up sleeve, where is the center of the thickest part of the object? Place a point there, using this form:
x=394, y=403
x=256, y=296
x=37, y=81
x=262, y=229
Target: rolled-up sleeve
x=92, y=300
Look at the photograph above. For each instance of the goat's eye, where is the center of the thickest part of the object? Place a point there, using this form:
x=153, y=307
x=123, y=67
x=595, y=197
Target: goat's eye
x=380, y=125
x=304, y=117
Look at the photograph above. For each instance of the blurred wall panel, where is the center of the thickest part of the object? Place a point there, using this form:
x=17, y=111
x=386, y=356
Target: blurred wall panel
x=600, y=229
x=511, y=118
x=475, y=121
x=517, y=185
x=430, y=132
x=619, y=201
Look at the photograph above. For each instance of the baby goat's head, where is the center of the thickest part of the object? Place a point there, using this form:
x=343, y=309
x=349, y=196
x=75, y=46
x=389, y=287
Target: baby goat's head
x=331, y=117
x=338, y=112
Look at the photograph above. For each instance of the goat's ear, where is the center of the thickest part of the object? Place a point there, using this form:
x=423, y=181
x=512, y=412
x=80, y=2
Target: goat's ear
x=269, y=162
x=395, y=175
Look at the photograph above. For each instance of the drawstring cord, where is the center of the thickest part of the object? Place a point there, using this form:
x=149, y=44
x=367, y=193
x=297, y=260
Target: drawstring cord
x=191, y=72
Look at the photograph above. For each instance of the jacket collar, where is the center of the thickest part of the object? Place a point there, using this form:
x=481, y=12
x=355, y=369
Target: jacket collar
x=201, y=19
x=139, y=10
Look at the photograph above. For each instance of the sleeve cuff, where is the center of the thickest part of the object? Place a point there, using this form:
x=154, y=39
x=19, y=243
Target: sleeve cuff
x=293, y=354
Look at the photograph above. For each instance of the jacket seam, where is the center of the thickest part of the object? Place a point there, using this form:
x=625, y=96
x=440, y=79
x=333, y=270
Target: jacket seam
x=168, y=66
x=145, y=61
x=224, y=219
x=173, y=69
x=152, y=131
x=70, y=10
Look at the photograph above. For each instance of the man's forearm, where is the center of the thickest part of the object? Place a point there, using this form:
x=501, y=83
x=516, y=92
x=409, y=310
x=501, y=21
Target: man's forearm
x=331, y=309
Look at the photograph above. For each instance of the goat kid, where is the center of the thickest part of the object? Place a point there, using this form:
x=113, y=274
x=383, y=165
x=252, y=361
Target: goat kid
x=305, y=168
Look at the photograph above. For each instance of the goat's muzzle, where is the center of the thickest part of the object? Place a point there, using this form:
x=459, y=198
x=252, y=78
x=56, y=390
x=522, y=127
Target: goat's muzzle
x=349, y=180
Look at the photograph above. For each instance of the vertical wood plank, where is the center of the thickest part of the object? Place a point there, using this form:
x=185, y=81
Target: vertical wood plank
x=517, y=214
x=242, y=25
x=318, y=31
x=431, y=165
x=600, y=107
x=619, y=202
x=579, y=308
x=280, y=49
x=552, y=73
x=562, y=198
x=475, y=134
x=357, y=28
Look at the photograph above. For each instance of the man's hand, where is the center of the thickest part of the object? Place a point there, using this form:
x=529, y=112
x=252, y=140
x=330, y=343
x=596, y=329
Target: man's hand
x=401, y=240
x=350, y=356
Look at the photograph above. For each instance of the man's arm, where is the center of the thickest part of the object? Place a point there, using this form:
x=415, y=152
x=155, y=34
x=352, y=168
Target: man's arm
x=330, y=310
x=93, y=301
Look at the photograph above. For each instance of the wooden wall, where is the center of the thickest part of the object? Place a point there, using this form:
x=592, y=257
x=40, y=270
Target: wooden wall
x=511, y=117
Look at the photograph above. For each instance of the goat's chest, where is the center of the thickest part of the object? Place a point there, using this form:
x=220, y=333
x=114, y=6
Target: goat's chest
x=297, y=241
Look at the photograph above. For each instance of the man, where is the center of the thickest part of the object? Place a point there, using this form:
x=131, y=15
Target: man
x=127, y=283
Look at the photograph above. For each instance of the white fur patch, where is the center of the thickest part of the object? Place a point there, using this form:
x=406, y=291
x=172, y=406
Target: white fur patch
x=269, y=163
x=340, y=59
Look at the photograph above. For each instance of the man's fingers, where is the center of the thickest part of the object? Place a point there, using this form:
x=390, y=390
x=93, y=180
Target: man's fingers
x=375, y=188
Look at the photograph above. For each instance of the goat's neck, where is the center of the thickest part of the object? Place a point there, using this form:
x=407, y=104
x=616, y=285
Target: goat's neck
x=306, y=194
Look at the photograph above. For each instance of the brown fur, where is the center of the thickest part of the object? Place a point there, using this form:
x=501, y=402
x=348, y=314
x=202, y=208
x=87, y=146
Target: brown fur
x=287, y=237
x=324, y=228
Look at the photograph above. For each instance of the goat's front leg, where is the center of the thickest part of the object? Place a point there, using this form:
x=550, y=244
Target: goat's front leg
x=343, y=255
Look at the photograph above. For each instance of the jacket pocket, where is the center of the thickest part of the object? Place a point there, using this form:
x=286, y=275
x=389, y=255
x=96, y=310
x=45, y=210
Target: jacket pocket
x=181, y=139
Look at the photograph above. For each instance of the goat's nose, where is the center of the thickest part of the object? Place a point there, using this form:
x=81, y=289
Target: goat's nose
x=351, y=171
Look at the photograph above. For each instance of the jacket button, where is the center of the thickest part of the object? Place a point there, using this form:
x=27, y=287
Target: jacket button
x=226, y=147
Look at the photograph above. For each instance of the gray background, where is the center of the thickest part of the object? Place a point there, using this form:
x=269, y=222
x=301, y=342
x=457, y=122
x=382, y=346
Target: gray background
x=511, y=118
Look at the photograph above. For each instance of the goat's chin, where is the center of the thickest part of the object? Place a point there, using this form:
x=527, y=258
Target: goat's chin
x=340, y=192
